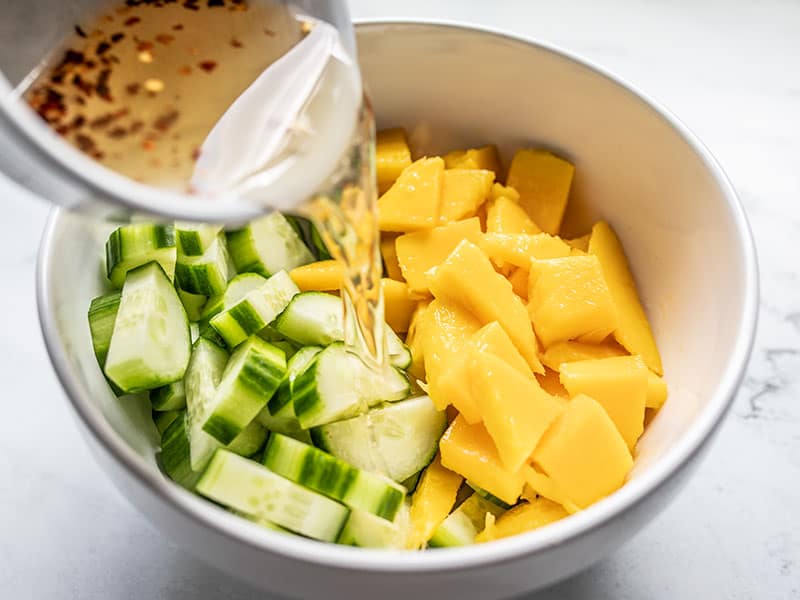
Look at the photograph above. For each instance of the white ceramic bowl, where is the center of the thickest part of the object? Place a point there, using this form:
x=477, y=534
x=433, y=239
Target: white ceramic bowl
x=637, y=167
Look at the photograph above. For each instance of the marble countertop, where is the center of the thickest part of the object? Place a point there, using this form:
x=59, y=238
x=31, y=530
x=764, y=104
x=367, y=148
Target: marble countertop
x=728, y=69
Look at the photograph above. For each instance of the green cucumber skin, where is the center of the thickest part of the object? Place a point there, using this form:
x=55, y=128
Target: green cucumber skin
x=194, y=241
x=296, y=365
x=174, y=457
x=201, y=280
x=242, y=246
x=102, y=315
x=152, y=242
x=162, y=420
x=168, y=397
x=490, y=497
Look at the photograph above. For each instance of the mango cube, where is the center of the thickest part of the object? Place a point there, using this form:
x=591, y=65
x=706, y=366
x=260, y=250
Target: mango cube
x=583, y=453
x=633, y=330
x=524, y=517
x=515, y=409
x=539, y=484
x=518, y=278
x=504, y=215
x=486, y=158
x=418, y=252
x=467, y=278
x=656, y=390
x=469, y=451
x=389, y=256
x=519, y=249
x=321, y=276
x=503, y=191
x=392, y=156
x=564, y=352
x=543, y=181
x=463, y=192
x=619, y=384
x=493, y=339
x=431, y=503
x=568, y=298
x=412, y=203
x=398, y=304
x=551, y=383
x=581, y=243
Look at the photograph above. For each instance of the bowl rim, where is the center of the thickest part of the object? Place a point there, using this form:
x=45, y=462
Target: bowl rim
x=453, y=559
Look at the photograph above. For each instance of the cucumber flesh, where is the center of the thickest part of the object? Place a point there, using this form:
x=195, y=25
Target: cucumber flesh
x=268, y=245
x=151, y=343
x=238, y=288
x=246, y=486
x=175, y=455
x=194, y=304
x=134, y=245
x=168, y=397
x=286, y=425
x=401, y=438
x=365, y=530
x=193, y=239
x=326, y=474
x=280, y=403
x=164, y=419
x=337, y=385
x=464, y=523
x=102, y=315
x=206, y=274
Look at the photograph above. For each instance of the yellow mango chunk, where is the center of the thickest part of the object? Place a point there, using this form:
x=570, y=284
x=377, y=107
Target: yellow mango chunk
x=445, y=335
x=551, y=383
x=463, y=192
x=504, y=215
x=634, y=330
x=412, y=203
x=392, y=156
x=431, y=503
x=493, y=339
x=414, y=341
x=543, y=181
x=520, y=248
x=486, y=158
x=503, y=191
x=389, y=255
x=519, y=282
x=568, y=298
x=583, y=453
x=539, y=484
x=398, y=304
x=656, y=390
x=581, y=243
x=618, y=383
x=418, y=252
x=525, y=517
x=469, y=451
x=515, y=409
x=467, y=278
x=564, y=352
x=321, y=276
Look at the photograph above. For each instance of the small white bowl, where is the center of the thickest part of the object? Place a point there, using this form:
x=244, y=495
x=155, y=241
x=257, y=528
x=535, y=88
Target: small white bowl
x=637, y=166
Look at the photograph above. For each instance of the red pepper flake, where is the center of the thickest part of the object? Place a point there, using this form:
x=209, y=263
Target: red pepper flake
x=269, y=32
x=207, y=65
x=236, y=43
x=136, y=127
x=166, y=120
x=196, y=154
x=185, y=70
x=131, y=21
x=212, y=3
x=102, y=121
x=71, y=57
x=148, y=145
x=191, y=4
x=117, y=133
x=82, y=84
x=177, y=27
x=117, y=37
x=84, y=143
x=78, y=122
x=165, y=38
x=80, y=100
x=132, y=88
x=101, y=87
x=80, y=31
x=102, y=48
x=143, y=45
x=90, y=64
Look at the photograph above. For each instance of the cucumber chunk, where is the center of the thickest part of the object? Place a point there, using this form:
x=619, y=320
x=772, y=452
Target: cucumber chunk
x=401, y=438
x=131, y=246
x=326, y=474
x=268, y=245
x=207, y=274
x=280, y=403
x=246, y=486
x=102, y=315
x=238, y=288
x=365, y=530
x=464, y=523
x=168, y=397
x=193, y=239
x=175, y=455
x=337, y=384
x=194, y=304
x=252, y=375
x=151, y=343
x=255, y=310
x=164, y=419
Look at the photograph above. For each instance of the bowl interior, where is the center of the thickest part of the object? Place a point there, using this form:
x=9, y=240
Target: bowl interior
x=454, y=87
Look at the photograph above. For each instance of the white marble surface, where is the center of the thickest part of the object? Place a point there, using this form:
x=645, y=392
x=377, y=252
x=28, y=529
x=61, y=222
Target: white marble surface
x=729, y=70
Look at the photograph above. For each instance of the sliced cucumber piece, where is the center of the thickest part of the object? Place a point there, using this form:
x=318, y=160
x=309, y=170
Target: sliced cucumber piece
x=490, y=497
x=194, y=304
x=288, y=348
x=310, y=235
x=168, y=397
x=102, y=315
x=368, y=531
x=131, y=246
x=175, y=455
x=317, y=319
x=151, y=343
x=401, y=438
x=205, y=330
x=246, y=486
x=162, y=420
x=252, y=375
x=256, y=310
x=464, y=523
x=286, y=425
x=336, y=385
x=280, y=403
x=193, y=239
x=250, y=440
x=326, y=474
x=268, y=245
x=238, y=288
x=206, y=274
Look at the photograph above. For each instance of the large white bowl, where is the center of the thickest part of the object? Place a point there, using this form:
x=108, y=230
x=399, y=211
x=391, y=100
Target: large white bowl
x=637, y=166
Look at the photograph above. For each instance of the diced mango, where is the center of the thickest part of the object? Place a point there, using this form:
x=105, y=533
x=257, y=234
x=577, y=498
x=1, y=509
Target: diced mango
x=543, y=181
x=656, y=390
x=568, y=298
x=583, y=453
x=581, y=243
x=539, y=484
x=485, y=157
x=504, y=215
x=469, y=451
x=418, y=252
x=468, y=279
x=493, y=339
x=551, y=384
x=431, y=503
x=564, y=352
x=445, y=335
x=414, y=341
x=520, y=248
x=618, y=383
x=524, y=517
x=389, y=255
x=398, y=304
x=463, y=192
x=503, y=191
x=634, y=330
x=322, y=276
x=392, y=156
x=515, y=409
x=519, y=282
x=412, y=203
